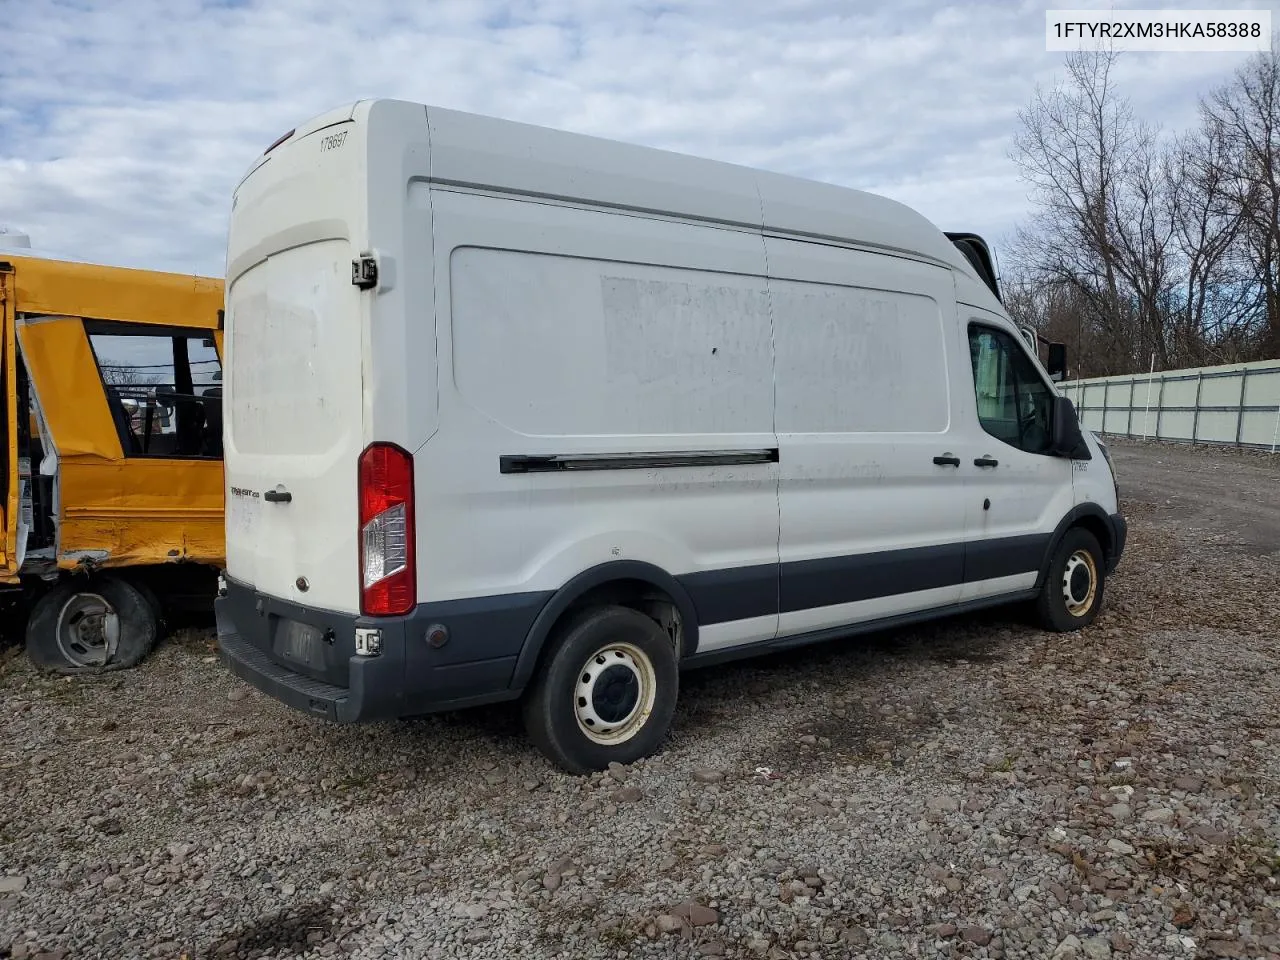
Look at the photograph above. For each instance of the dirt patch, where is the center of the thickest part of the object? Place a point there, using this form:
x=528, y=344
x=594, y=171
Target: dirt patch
x=1223, y=498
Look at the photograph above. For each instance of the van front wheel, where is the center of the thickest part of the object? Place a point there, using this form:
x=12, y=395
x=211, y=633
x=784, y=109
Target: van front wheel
x=1072, y=592
x=606, y=693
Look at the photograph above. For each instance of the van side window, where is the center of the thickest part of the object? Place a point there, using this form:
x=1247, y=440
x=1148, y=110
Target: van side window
x=163, y=389
x=1013, y=401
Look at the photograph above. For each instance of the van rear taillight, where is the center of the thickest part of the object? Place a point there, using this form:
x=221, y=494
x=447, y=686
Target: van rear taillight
x=388, y=585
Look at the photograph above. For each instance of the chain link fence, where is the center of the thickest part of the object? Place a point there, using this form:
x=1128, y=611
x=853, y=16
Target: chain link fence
x=1233, y=405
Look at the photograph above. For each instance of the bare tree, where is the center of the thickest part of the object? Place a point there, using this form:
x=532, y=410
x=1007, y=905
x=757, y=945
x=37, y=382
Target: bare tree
x=1080, y=148
x=1209, y=312
x=1142, y=232
x=120, y=375
x=1143, y=246
x=1242, y=120
x=1055, y=310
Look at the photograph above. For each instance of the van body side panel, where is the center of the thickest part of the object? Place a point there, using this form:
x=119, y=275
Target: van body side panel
x=590, y=334
x=1092, y=482
x=871, y=527
x=518, y=159
x=804, y=209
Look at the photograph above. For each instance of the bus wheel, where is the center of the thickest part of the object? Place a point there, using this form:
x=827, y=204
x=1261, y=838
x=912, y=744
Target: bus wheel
x=90, y=626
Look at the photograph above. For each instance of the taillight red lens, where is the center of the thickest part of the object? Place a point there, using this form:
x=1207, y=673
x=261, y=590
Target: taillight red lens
x=388, y=578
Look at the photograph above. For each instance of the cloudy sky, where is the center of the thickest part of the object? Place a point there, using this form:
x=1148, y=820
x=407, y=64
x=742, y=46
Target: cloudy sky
x=124, y=124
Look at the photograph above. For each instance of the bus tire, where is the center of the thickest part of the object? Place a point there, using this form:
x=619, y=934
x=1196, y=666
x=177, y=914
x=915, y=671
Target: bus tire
x=91, y=626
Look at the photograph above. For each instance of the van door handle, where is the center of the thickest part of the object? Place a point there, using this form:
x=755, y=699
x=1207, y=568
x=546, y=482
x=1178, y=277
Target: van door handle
x=986, y=462
x=947, y=460
x=277, y=496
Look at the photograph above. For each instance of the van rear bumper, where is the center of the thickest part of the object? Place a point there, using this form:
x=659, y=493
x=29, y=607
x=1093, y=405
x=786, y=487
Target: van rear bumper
x=407, y=678
x=288, y=686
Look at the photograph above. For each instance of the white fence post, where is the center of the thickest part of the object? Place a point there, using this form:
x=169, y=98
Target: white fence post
x=1244, y=382
x=1146, y=415
x=1159, y=405
x=1195, y=422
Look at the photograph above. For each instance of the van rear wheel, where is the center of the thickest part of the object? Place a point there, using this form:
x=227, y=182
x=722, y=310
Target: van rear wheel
x=606, y=693
x=89, y=626
x=1071, y=596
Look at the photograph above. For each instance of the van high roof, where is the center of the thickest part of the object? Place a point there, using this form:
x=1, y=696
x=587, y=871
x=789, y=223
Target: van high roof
x=487, y=153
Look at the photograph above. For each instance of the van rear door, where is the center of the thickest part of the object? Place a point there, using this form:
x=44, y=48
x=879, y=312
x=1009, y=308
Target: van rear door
x=11, y=490
x=293, y=378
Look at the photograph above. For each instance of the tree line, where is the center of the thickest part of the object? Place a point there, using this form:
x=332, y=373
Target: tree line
x=1144, y=246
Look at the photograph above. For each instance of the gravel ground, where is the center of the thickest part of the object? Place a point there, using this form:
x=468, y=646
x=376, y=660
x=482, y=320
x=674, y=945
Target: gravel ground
x=974, y=788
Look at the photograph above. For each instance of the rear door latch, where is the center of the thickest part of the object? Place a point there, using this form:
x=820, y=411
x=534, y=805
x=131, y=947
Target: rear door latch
x=364, y=273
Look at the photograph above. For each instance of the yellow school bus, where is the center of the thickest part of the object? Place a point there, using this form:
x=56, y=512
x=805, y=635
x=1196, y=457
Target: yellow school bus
x=111, y=491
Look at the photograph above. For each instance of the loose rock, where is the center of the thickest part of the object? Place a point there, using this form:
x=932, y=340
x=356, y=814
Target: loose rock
x=980, y=936
x=669, y=923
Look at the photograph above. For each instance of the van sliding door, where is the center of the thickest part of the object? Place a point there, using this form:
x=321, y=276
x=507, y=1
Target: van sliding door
x=871, y=497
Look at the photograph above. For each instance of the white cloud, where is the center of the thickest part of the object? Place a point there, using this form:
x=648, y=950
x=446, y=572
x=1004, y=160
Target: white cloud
x=124, y=124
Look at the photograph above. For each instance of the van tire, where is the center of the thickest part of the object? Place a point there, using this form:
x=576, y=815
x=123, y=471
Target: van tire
x=609, y=668
x=65, y=632
x=1077, y=569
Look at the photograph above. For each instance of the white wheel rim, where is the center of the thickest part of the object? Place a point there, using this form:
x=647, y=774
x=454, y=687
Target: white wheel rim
x=88, y=630
x=1080, y=583
x=615, y=692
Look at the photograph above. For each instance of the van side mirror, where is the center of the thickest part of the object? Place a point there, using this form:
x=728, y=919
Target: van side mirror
x=1057, y=362
x=1066, y=438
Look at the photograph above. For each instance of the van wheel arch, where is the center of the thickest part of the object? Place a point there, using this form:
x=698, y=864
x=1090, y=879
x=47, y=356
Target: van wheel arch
x=631, y=583
x=1087, y=516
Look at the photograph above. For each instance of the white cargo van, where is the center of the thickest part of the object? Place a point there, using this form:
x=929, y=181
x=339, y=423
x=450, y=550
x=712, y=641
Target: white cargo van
x=518, y=413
